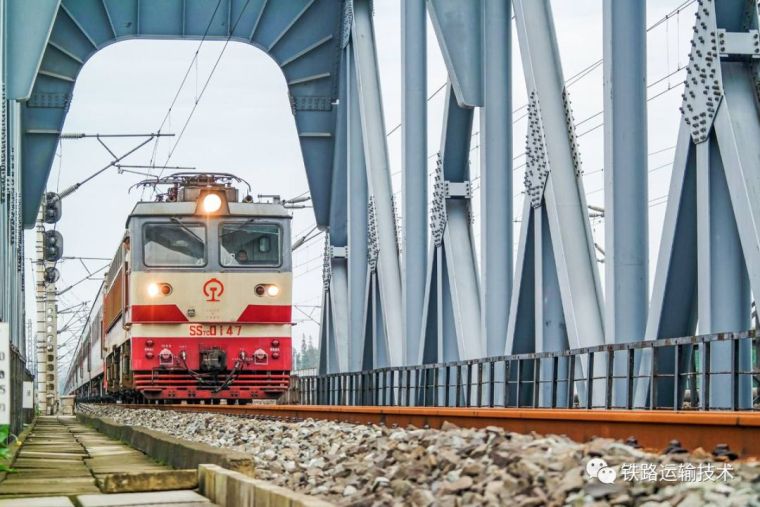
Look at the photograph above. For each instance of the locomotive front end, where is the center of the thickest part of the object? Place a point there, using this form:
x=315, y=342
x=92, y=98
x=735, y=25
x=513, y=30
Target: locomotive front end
x=208, y=297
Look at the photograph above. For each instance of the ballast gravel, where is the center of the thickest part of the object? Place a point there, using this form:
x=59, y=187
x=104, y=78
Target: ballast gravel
x=367, y=465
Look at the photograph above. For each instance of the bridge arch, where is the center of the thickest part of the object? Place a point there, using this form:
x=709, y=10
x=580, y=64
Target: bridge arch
x=304, y=38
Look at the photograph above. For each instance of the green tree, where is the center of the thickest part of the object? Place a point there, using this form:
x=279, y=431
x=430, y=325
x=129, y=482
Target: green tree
x=308, y=357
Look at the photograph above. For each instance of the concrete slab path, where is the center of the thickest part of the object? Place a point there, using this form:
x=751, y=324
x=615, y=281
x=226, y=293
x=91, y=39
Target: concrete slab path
x=61, y=463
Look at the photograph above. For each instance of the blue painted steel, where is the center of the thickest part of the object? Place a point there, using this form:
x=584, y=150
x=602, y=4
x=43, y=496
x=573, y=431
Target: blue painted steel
x=357, y=217
x=724, y=297
x=625, y=161
x=296, y=34
x=338, y=195
x=550, y=332
x=456, y=139
x=496, y=175
x=25, y=37
x=709, y=249
x=452, y=303
x=335, y=330
x=673, y=307
x=458, y=28
x=414, y=170
x=379, y=178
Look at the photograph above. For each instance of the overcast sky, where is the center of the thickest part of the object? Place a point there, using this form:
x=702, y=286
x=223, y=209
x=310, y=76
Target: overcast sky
x=243, y=125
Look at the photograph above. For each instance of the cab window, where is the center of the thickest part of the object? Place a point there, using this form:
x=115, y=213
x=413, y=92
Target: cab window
x=174, y=245
x=245, y=244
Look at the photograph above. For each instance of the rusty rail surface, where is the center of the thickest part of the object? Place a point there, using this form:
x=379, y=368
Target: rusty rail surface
x=653, y=429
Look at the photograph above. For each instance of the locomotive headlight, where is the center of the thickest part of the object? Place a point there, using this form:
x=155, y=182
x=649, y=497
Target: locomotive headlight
x=212, y=203
x=269, y=289
x=153, y=290
x=159, y=289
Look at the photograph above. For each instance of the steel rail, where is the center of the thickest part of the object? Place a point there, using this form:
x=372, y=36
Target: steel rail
x=652, y=429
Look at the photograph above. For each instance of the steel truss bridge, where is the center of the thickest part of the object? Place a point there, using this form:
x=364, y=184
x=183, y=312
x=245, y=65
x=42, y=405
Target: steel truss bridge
x=394, y=299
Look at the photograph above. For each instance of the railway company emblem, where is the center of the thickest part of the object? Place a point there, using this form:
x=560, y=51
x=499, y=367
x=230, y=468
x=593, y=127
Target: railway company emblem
x=213, y=290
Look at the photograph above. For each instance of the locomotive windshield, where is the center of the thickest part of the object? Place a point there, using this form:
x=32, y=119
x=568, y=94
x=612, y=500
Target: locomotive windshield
x=247, y=244
x=174, y=244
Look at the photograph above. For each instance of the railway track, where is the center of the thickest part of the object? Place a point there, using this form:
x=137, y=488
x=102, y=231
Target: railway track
x=653, y=430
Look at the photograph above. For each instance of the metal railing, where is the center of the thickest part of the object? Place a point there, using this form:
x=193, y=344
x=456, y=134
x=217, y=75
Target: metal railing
x=709, y=372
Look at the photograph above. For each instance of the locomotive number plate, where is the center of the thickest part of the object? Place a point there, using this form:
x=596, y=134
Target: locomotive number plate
x=215, y=330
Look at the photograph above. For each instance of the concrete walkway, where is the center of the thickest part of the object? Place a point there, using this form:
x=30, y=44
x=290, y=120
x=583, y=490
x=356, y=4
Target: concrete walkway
x=63, y=463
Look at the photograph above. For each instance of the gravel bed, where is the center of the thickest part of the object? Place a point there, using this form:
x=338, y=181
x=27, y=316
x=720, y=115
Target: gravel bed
x=366, y=465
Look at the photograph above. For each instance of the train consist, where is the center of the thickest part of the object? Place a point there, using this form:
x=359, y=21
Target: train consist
x=196, y=305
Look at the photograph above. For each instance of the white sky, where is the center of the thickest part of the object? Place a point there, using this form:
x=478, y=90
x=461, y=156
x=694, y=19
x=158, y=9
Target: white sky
x=243, y=125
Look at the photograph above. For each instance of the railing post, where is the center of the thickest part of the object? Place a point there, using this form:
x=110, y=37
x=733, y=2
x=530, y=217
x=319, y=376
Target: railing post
x=424, y=385
x=555, y=368
x=458, y=401
x=629, y=379
x=409, y=388
x=676, y=375
x=491, y=381
x=375, y=389
x=735, y=373
x=590, y=382
x=571, y=381
x=518, y=397
x=536, y=381
x=447, y=395
x=468, y=398
x=480, y=385
x=393, y=388
x=653, y=380
x=435, y=386
x=610, y=380
x=507, y=368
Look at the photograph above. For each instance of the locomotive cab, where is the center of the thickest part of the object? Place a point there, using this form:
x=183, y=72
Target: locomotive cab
x=198, y=302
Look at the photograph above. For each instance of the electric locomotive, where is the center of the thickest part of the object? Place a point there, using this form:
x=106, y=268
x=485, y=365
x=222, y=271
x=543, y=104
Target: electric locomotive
x=196, y=305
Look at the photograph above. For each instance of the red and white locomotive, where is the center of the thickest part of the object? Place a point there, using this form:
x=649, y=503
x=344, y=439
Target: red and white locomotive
x=197, y=302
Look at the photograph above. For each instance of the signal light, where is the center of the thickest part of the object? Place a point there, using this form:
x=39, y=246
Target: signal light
x=53, y=246
x=52, y=211
x=51, y=275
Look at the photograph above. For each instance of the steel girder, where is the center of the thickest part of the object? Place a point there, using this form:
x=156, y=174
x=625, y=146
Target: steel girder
x=626, y=230
x=369, y=279
x=11, y=179
x=451, y=318
x=358, y=224
x=334, y=326
x=553, y=181
x=302, y=36
x=459, y=30
x=475, y=39
x=496, y=175
x=334, y=342
x=709, y=256
x=386, y=280
x=414, y=183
